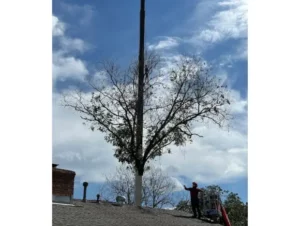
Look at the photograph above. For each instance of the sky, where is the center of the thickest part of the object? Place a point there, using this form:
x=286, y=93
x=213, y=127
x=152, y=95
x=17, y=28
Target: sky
x=86, y=32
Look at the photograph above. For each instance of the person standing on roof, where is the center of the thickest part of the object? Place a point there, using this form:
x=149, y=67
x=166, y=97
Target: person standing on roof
x=194, y=198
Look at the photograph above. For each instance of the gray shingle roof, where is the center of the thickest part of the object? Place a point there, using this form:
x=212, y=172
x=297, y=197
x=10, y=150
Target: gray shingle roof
x=105, y=214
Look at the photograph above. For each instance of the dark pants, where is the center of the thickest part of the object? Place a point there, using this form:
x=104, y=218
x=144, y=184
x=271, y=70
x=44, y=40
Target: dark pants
x=195, y=206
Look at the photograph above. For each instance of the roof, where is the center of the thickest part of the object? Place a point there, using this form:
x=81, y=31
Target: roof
x=63, y=171
x=103, y=214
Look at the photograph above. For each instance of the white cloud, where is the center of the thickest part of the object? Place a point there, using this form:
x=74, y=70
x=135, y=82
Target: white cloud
x=210, y=36
x=58, y=28
x=166, y=43
x=242, y=50
x=169, y=61
x=69, y=44
x=77, y=148
x=220, y=156
x=65, y=67
x=238, y=105
x=240, y=53
x=66, y=43
x=233, y=21
x=230, y=21
x=64, y=64
x=212, y=22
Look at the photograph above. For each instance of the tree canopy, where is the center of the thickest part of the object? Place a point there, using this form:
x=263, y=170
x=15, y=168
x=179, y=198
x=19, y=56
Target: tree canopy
x=174, y=99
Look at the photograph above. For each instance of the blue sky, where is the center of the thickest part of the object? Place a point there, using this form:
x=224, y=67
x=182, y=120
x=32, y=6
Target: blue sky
x=86, y=32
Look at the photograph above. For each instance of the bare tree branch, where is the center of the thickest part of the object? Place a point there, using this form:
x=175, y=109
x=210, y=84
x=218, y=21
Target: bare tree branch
x=157, y=186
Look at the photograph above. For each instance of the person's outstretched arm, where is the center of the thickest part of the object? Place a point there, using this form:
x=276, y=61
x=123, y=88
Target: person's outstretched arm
x=186, y=188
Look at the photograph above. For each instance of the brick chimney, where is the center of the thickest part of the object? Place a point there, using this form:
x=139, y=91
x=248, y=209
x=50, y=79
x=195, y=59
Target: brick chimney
x=62, y=184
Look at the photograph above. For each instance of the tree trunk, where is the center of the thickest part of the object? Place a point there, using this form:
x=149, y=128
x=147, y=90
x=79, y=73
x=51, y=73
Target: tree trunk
x=138, y=189
x=139, y=109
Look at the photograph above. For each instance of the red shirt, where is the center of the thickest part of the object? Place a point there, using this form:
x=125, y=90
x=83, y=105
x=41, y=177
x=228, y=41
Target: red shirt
x=194, y=192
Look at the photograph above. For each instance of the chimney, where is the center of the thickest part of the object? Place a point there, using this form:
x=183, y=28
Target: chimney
x=62, y=184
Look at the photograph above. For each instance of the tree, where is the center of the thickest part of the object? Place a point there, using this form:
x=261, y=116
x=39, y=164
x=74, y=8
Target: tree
x=184, y=205
x=236, y=210
x=216, y=189
x=157, y=187
x=173, y=101
x=121, y=183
